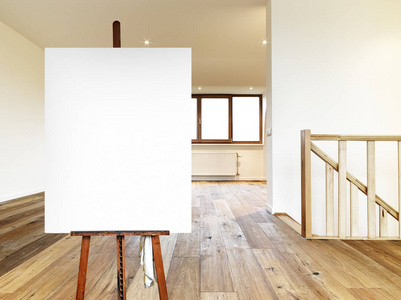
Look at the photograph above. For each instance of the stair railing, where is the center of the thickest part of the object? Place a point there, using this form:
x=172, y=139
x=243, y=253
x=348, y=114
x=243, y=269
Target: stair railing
x=307, y=147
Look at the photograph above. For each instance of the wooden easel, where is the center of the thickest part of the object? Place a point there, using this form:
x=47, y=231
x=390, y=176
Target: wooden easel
x=120, y=238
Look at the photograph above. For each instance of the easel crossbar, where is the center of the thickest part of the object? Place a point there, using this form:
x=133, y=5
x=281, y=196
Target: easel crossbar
x=108, y=233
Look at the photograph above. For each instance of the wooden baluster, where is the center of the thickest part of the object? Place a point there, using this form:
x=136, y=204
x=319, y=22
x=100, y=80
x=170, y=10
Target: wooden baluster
x=342, y=189
x=329, y=200
x=382, y=222
x=399, y=189
x=354, y=211
x=371, y=190
x=306, y=203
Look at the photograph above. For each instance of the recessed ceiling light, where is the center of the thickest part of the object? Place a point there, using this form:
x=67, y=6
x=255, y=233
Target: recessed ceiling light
x=251, y=88
x=199, y=88
x=264, y=42
x=146, y=42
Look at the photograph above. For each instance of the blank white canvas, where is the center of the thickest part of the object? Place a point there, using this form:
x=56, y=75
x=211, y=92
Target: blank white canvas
x=118, y=139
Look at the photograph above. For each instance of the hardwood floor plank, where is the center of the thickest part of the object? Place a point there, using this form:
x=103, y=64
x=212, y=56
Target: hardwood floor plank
x=196, y=195
x=131, y=246
x=27, y=252
x=275, y=271
x=206, y=202
x=16, y=239
x=278, y=237
x=10, y=216
x=40, y=287
x=215, y=275
x=105, y=286
x=382, y=252
x=355, y=270
x=372, y=294
x=21, y=275
x=261, y=216
x=14, y=204
x=183, y=279
x=249, y=280
x=21, y=222
x=230, y=230
x=255, y=236
x=225, y=216
x=219, y=296
x=188, y=244
x=315, y=282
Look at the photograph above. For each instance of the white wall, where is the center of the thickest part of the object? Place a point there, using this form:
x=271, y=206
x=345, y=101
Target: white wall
x=269, y=116
x=21, y=115
x=336, y=68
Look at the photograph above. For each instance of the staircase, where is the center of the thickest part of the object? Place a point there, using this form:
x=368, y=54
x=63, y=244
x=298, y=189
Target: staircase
x=347, y=229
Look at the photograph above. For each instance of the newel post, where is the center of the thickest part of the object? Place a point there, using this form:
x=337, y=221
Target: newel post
x=306, y=203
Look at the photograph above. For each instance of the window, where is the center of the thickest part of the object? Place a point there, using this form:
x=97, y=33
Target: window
x=227, y=119
x=245, y=120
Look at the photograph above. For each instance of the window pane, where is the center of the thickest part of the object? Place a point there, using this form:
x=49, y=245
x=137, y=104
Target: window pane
x=215, y=118
x=194, y=112
x=245, y=118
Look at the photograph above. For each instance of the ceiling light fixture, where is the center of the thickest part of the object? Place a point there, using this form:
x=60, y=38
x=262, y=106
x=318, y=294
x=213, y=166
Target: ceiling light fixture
x=146, y=42
x=264, y=42
x=251, y=88
x=199, y=88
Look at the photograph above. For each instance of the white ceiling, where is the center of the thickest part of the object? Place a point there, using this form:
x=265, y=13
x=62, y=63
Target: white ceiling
x=225, y=35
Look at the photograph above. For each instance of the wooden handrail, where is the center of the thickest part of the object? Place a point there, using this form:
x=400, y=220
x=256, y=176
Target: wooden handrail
x=320, y=153
x=336, y=137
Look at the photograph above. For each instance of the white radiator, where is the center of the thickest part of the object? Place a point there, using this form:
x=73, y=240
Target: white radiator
x=214, y=164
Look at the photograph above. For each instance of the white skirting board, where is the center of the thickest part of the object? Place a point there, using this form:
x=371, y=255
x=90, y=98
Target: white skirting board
x=226, y=178
x=20, y=194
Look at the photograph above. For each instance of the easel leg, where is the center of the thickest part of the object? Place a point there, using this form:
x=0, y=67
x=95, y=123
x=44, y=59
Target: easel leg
x=83, y=265
x=157, y=255
x=121, y=288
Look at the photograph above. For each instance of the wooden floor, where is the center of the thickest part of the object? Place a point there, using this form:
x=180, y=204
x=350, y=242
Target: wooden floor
x=236, y=251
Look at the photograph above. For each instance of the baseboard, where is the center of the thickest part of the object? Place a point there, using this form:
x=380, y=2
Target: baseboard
x=214, y=178
x=227, y=178
x=21, y=194
x=289, y=221
x=252, y=178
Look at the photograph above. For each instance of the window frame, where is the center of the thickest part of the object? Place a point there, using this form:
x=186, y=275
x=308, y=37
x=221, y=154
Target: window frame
x=230, y=141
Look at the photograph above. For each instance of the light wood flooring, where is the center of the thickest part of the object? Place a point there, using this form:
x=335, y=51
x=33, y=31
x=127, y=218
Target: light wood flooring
x=237, y=250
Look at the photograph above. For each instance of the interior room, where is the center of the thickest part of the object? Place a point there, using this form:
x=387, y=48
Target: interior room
x=295, y=151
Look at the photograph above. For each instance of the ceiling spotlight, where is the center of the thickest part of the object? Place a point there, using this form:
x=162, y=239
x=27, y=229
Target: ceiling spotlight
x=146, y=42
x=251, y=88
x=199, y=88
x=264, y=42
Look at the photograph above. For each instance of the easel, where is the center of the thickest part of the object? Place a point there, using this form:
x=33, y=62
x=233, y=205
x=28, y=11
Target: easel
x=121, y=283
x=120, y=238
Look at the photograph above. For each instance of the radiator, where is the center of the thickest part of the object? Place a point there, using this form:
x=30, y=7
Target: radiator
x=214, y=164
